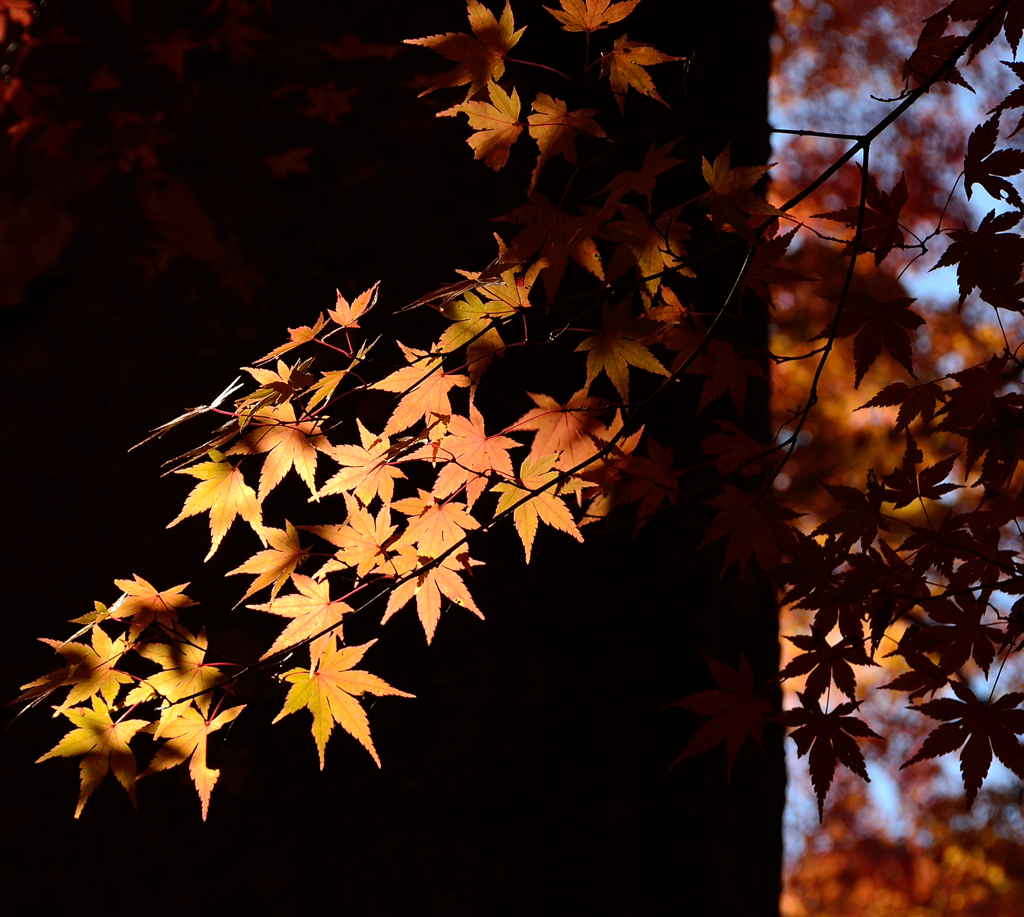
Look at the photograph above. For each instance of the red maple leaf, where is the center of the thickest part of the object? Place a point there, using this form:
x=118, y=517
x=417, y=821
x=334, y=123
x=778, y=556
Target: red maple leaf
x=736, y=712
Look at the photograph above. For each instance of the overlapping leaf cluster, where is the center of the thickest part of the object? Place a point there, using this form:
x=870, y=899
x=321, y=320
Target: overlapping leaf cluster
x=397, y=444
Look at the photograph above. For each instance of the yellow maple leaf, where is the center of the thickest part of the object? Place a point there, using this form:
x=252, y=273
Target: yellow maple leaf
x=329, y=692
x=496, y=125
x=546, y=506
x=103, y=745
x=186, y=738
x=221, y=490
x=617, y=348
x=275, y=564
x=367, y=470
x=347, y=315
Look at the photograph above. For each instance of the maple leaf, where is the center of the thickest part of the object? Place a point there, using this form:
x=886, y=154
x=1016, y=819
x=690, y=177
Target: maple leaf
x=144, y=603
x=496, y=124
x=826, y=663
x=481, y=56
x=590, y=15
x=367, y=470
x=861, y=517
x=221, y=490
x=727, y=371
x=103, y=745
x=730, y=198
x=545, y=506
x=1016, y=98
x=765, y=270
x=617, y=348
x=363, y=540
x=933, y=50
x=914, y=401
x=473, y=325
x=569, y=431
x=297, y=337
x=624, y=66
x=90, y=671
x=755, y=527
x=435, y=524
x=347, y=314
x=290, y=161
x=555, y=129
x=906, y=484
x=960, y=634
x=878, y=326
x=329, y=692
x=276, y=564
x=985, y=728
x=654, y=480
x=471, y=456
x=327, y=102
x=276, y=387
x=990, y=259
x=557, y=236
x=735, y=450
x=653, y=247
x=828, y=737
x=424, y=389
x=984, y=167
x=881, y=231
x=171, y=52
x=428, y=585
x=287, y=444
x=186, y=738
x=736, y=712
x=312, y=611
x=641, y=180
x=185, y=673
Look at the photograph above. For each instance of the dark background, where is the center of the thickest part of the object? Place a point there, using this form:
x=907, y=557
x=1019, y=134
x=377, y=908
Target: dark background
x=529, y=775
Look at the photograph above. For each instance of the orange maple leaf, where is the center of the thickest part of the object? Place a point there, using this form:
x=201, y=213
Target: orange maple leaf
x=624, y=67
x=275, y=564
x=435, y=524
x=367, y=470
x=143, y=603
x=546, y=506
x=287, y=444
x=221, y=490
x=471, y=456
x=427, y=586
x=103, y=745
x=347, y=314
x=496, y=124
x=186, y=738
x=569, y=431
x=297, y=337
x=312, y=611
x=329, y=693
x=555, y=129
x=481, y=56
x=591, y=15
x=617, y=348
x=362, y=539
x=424, y=388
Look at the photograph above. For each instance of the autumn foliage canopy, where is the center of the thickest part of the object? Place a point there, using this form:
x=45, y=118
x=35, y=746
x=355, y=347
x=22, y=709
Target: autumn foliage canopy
x=396, y=442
